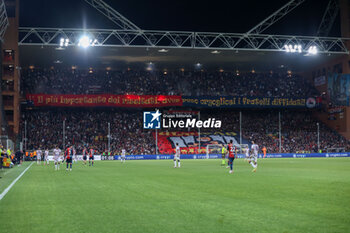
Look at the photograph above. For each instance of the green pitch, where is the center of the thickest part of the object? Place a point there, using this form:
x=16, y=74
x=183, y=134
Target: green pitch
x=285, y=195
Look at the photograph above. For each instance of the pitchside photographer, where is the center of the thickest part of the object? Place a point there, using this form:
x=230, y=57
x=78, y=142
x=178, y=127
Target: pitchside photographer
x=2, y=154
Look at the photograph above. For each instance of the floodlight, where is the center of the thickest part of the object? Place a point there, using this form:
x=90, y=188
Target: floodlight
x=94, y=42
x=286, y=48
x=84, y=41
x=312, y=50
x=299, y=48
x=64, y=42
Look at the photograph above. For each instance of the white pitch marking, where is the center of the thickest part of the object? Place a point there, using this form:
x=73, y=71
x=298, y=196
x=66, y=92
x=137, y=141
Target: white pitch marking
x=13, y=183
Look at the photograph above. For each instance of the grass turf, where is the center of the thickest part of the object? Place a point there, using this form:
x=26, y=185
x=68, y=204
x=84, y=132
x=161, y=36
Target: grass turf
x=285, y=195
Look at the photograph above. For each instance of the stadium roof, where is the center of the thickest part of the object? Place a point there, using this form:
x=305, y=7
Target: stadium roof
x=122, y=57
x=136, y=47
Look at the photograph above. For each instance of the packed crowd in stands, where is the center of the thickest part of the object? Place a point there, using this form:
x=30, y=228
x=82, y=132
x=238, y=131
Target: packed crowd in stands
x=90, y=128
x=298, y=132
x=195, y=83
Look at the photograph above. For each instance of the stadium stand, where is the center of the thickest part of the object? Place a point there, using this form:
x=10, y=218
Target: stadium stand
x=85, y=127
x=88, y=128
x=53, y=81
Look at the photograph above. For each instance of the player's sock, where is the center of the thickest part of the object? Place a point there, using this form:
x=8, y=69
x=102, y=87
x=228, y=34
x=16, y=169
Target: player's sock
x=92, y=163
x=231, y=166
x=174, y=163
x=179, y=163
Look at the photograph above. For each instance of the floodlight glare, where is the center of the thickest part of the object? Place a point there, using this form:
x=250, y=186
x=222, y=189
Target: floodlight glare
x=94, y=42
x=312, y=50
x=289, y=48
x=286, y=48
x=299, y=48
x=61, y=42
x=84, y=41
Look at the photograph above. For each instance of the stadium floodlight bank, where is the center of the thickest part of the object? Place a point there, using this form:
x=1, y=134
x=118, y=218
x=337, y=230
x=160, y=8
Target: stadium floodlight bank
x=178, y=39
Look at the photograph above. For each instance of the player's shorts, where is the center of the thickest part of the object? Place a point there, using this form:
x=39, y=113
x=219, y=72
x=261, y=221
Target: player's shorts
x=56, y=159
x=223, y=155
x=69, y=160
x=254, y=158
x=38, y=157
x=176, y=157
x=91, y=158
x=230, y=159
x=84, y=157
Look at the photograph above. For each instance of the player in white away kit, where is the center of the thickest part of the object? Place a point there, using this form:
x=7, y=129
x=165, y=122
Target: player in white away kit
x=75, y=158
x=177, y=156
x=254, y=156
x=247, y=155
x=122, y=157
x=38, y=156
x=56, y=157
x=46, y=157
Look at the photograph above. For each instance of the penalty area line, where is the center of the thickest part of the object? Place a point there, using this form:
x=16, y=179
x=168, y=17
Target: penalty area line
x=14, y=182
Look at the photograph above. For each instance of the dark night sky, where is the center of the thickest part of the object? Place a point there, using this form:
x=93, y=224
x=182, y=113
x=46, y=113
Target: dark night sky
x=185, y=15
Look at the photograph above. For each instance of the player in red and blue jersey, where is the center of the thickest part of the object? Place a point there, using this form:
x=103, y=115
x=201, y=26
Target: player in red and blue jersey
x=69, y=157
x=85, y=152
x=91, y=157
x=231, y=150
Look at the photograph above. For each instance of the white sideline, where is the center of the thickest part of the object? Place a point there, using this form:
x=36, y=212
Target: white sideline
x=14, y=182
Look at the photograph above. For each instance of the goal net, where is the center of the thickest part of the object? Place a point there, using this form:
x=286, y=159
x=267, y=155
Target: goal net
x=335, y=150
x=213, y=149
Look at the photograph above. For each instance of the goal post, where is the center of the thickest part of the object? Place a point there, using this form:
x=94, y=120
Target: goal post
x=336, y=150
x=215, y=149
x=243, y=147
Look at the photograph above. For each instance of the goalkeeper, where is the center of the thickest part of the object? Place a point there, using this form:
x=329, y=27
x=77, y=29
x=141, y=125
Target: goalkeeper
x=223, y=155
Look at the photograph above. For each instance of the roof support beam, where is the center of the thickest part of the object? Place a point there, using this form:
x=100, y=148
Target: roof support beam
x=277, y=15
x=4, y=21
x=178, y=39
x=113, y=15
x=328, y=18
